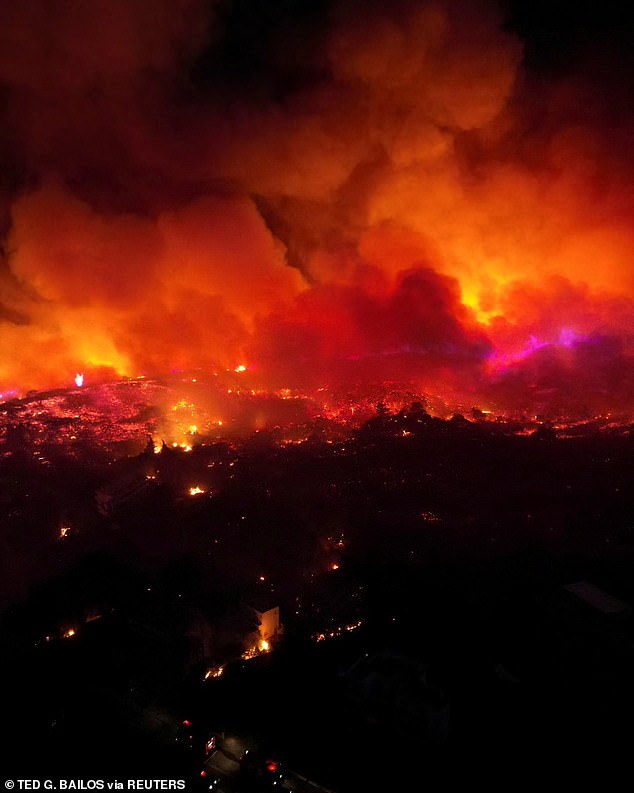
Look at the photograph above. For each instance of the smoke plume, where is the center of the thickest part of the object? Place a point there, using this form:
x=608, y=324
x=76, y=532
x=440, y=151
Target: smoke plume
x=410, y=190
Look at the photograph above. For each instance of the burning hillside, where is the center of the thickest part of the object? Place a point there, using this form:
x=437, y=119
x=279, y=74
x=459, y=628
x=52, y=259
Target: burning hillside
x=189, y=410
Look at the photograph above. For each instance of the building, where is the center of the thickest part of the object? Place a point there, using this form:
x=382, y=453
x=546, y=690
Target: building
x=270, y=626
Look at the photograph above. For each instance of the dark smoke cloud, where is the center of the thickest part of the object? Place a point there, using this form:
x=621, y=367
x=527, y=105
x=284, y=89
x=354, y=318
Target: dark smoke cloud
x=337, y=331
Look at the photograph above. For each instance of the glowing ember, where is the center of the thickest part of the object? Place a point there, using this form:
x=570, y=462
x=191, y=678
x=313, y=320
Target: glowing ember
x=262, y=647
x=214, y=671
x=196, y=491
x=68, y=634
x=64, y=532
x=240, y=368
x=334, y=633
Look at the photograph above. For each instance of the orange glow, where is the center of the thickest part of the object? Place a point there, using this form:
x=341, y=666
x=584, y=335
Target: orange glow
x=260, y=648
x=334, y=633
x=428, y=211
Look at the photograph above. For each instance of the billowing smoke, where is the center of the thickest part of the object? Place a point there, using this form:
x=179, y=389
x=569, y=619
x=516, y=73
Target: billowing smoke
x=333, y=333
x=323, y=190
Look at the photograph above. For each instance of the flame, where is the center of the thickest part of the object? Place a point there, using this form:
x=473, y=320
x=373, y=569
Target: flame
x=263, y=646
x=340, y=630
x=79, y=380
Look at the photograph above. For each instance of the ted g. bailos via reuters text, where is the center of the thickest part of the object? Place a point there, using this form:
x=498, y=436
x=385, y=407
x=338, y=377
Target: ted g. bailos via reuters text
x=96, y=784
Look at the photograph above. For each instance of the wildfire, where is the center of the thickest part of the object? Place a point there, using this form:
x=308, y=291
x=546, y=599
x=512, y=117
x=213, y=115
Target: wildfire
x=334, y=633
x=214, y=671
x=196, y=490
x=262, y=647
x=186, y=447
x=415, y=264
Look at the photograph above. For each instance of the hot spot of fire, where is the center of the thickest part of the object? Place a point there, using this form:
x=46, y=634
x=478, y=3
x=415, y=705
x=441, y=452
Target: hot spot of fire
x=262, y=647
x=340, y=630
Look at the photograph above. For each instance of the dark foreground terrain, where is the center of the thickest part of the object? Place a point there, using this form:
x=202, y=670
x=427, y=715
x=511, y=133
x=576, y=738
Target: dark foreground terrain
x=456, y=601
